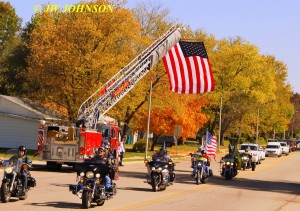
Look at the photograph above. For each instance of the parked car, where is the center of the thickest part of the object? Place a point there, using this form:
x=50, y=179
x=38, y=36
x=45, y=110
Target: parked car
x=292, y=145
x=298, y=144
x=273, y=140
x=262, y=153
x=285, y=148
x=169, y=141
x=254, y=151
x=273, y=149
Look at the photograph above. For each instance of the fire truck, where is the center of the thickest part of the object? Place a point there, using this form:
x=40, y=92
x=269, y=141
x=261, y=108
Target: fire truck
x=58, y=144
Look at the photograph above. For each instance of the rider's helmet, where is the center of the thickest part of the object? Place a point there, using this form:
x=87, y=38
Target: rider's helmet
x=203, y=152
x=22, y=148
x=100, y=149
x=162, y=151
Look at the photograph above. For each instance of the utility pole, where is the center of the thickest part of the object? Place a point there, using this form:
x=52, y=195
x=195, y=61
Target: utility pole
x=148, y=122
x=220, y=123
x=257, y=126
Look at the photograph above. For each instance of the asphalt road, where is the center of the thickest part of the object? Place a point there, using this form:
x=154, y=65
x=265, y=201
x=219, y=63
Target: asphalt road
x=275, y=185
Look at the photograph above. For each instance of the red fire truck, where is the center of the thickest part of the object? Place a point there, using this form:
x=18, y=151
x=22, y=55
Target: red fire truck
x=71, y=144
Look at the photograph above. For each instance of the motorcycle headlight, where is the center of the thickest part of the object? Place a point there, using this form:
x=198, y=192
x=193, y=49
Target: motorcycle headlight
x=89, y=174
x=153, y=168
x=81, y=174
x=97, y=175
x=227, y=163
x=231, y=164
x=159, y=169
x=8, y=170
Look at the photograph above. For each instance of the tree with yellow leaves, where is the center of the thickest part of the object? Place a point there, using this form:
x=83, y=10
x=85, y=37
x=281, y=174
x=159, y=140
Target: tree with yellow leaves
x=72, y=54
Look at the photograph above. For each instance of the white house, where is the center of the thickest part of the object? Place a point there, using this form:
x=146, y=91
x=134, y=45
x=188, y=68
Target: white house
x=19, y=121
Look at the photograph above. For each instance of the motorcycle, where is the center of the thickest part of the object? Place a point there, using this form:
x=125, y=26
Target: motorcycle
x=12, y=179
x=247, y=162
x=160, y=174
x=201, y=176
x=91, y=186
x=229, y=168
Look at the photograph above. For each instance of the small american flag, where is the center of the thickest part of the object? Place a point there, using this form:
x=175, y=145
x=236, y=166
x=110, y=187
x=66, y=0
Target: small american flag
x=40, y=142
x=189, y=69
x=211, y=144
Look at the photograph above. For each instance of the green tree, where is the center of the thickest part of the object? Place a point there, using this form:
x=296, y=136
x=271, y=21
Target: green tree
x=9, y=47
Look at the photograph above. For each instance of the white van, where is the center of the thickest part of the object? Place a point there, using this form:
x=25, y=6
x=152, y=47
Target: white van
x=254, y=151
x=285, y=148
x=273, y=149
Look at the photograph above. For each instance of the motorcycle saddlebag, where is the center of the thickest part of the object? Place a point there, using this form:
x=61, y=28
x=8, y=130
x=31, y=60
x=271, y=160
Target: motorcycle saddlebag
x=31, y=182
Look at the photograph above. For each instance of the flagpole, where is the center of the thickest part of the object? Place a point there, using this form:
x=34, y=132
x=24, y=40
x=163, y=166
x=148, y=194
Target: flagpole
x=148, y=121
x=220, y=123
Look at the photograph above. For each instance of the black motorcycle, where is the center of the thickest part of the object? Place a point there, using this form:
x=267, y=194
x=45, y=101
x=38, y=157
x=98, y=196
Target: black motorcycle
x=160, y=174
x=12, y=180
x=229, y=167
x=91, y=186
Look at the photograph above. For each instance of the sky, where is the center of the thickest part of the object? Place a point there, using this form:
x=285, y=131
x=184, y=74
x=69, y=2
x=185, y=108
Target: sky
x=271, y=25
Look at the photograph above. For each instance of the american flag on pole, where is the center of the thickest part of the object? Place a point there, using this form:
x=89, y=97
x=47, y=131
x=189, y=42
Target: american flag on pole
x=211, y=144
x=40, y=142
x=189, y=69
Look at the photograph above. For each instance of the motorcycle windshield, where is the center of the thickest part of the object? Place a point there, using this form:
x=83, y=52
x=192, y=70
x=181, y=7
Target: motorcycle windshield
x=92, y=166
x=11, y=160
x=157, y=164
x=231, y=160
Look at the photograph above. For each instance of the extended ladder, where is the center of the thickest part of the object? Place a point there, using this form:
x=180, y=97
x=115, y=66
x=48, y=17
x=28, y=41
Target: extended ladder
x=121, y=83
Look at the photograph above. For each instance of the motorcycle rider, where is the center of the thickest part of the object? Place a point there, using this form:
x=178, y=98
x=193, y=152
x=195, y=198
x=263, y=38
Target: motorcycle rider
x=231, y=156
x=207, y=170
x=163, y=156
x=249, y=156
x=103, y=158
x=22, y=155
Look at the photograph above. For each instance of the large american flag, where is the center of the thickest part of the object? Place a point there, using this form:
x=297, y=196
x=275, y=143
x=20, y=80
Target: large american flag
x=188, y=68
x=211, y=144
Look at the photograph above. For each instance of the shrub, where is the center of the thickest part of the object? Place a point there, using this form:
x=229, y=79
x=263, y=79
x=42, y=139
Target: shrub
x=140, y=145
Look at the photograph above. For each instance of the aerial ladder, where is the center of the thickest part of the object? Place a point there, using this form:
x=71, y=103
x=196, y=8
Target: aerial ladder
x=99, y=103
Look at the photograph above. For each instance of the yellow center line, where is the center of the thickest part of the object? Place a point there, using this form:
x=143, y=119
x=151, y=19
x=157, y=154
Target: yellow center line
x=163, y=198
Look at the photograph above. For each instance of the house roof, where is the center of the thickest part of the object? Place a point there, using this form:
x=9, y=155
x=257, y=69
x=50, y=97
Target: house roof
x=26, y=108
